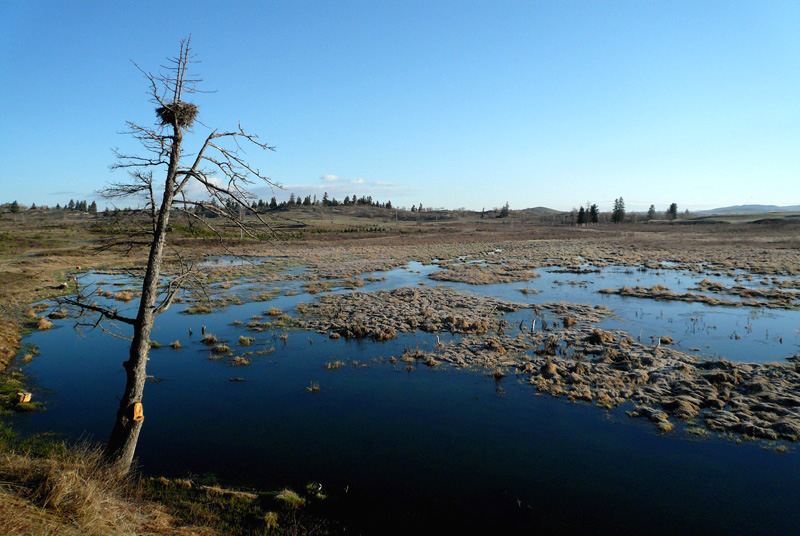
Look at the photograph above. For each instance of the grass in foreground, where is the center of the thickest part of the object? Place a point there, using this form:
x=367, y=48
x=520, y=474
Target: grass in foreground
x=48, y=487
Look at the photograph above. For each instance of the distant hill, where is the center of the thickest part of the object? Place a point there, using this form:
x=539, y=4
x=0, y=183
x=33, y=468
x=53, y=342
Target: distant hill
x=751, y=209
x=543, y=210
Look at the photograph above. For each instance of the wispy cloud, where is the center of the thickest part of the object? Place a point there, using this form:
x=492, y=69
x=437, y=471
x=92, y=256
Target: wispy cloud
x=66, y=192
x=338, y=187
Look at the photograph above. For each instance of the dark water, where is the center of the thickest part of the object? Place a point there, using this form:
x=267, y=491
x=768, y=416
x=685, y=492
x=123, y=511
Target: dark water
x=429, y=449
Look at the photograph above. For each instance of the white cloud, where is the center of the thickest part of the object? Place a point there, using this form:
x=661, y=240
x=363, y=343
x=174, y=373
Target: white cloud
x=357, y=181
x=195, y=190
x=329, y=178
x=384, y=183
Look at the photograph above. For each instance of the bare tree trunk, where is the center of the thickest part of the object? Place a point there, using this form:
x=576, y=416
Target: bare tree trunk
x=164, y=146
x=125, y=434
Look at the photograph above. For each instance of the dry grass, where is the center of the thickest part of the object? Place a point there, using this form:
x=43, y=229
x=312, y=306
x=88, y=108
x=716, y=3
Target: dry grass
x=73, y=493
x=290, y=498
x=569, y=321
x=124, y=295
x=43, y=324
x=209, y=339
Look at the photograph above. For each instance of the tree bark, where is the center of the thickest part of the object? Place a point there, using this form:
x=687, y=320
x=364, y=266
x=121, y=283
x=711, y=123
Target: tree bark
x=125, y=434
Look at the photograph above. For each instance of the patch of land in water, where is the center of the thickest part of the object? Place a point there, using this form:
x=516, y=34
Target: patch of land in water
x=577, y=360
x=771, y=299
x=484, y=274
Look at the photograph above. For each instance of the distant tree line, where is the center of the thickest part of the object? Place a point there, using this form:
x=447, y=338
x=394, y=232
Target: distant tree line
x=590, y=214
x=80, y=206
x=587, y=215
x=326, y=201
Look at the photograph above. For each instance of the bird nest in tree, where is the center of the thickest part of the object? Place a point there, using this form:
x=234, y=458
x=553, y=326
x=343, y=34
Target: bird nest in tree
x=180, y=113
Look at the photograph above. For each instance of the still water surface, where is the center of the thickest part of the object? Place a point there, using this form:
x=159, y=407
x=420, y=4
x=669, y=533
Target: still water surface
x=436, y=448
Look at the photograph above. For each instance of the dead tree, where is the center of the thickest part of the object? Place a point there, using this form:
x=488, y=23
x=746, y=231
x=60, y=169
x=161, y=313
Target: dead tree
x=224, y=176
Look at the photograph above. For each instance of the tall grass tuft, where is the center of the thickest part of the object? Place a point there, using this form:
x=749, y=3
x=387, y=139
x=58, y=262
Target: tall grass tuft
x=69, y=488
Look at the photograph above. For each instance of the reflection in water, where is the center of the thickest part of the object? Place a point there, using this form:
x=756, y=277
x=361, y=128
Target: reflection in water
x=435, y=448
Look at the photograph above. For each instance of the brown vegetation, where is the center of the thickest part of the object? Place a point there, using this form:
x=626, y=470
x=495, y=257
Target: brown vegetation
x=40, y=253
x=771, y=299
x=381, y=315
x=479, y=274
x=74, y=493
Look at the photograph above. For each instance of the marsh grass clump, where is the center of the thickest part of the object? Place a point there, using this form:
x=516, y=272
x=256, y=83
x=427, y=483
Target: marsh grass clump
x=43, y=324
x=209, y=339
x=178, y=113
x=58, y=314
x=386, y=334
x=353, y=283
x=290, y=499
x=221, y=349
x=239, y=361
x=199, y=310
x=333, y=365
x=313, y=387
x=246, y=341
x=271, y=520
x=155, y=345
x=175, y=345
x=124, y=295
x=600, y=337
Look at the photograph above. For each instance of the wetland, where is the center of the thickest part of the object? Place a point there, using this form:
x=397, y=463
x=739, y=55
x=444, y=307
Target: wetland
x=468, y=382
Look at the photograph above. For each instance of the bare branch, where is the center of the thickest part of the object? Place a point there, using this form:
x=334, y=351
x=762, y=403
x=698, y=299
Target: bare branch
x=110, y=314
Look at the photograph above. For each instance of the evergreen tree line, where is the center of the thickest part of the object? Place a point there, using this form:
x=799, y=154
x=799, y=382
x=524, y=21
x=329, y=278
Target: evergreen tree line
x=81, y=206
x=326, y=201
x=590, y=214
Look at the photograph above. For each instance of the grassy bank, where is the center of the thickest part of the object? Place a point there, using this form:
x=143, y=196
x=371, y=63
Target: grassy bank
x=48, y=487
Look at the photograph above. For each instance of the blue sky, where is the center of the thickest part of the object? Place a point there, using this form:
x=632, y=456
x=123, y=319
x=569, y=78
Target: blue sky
x=445, y=103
